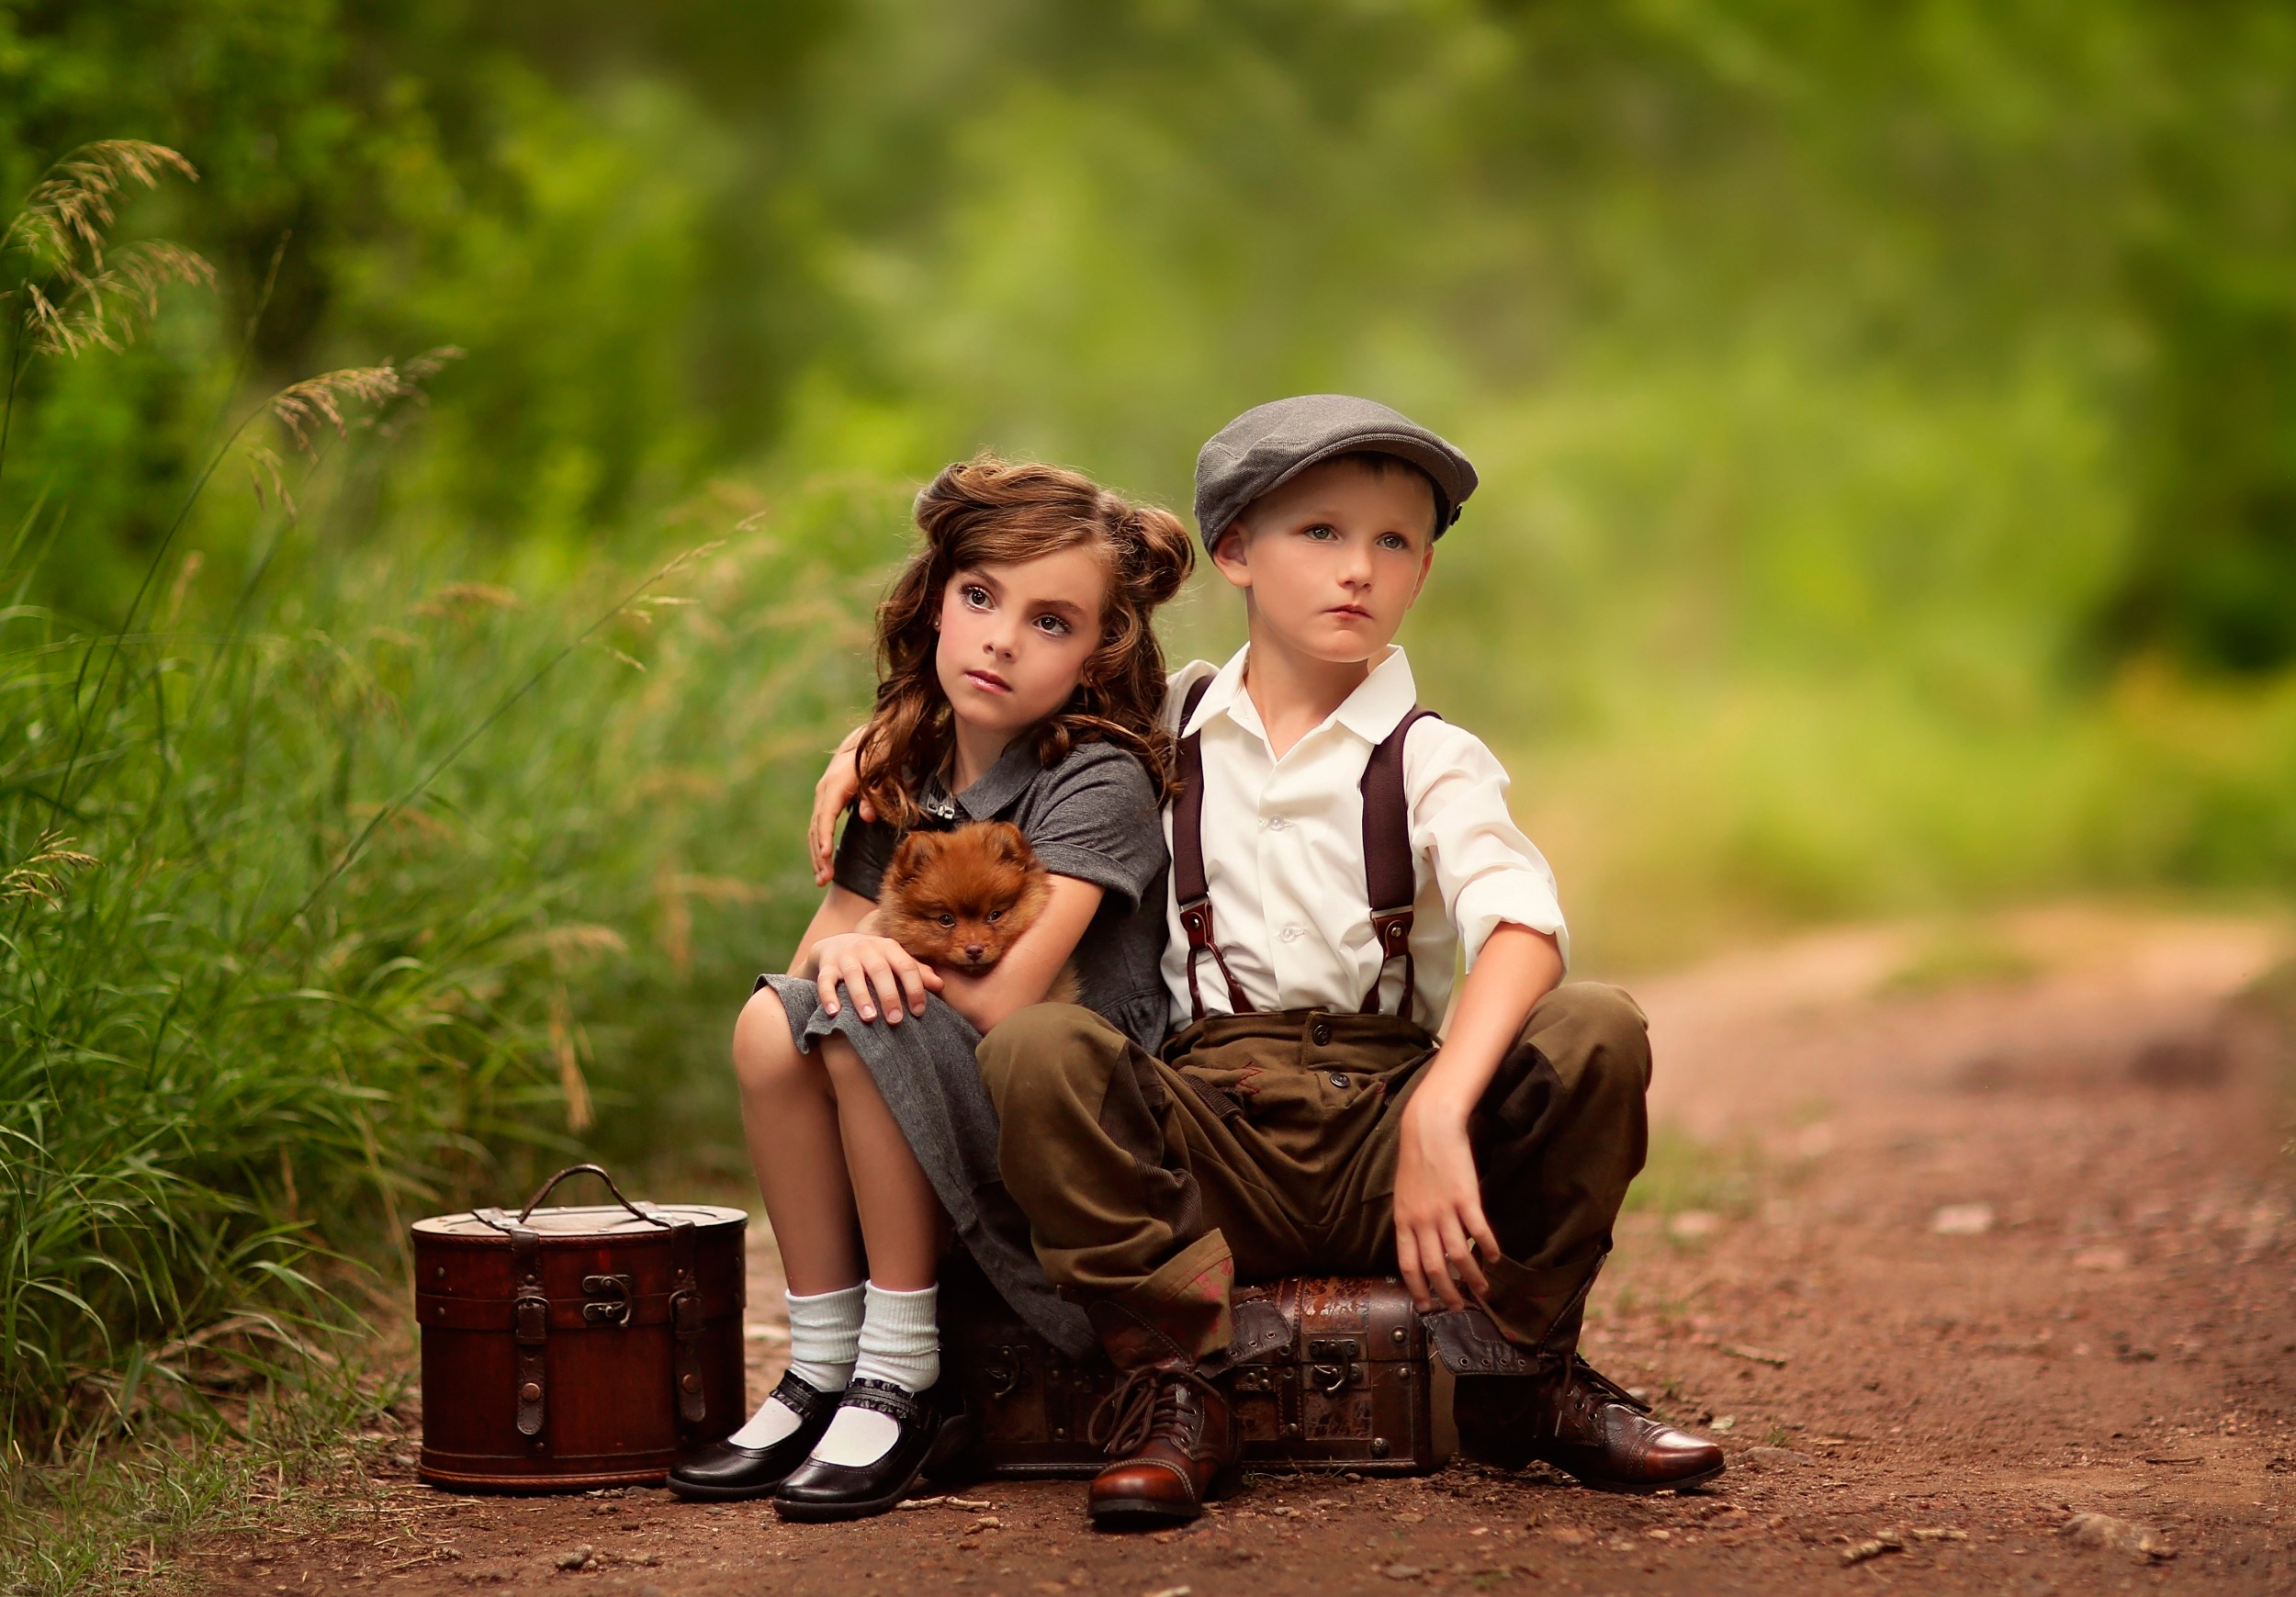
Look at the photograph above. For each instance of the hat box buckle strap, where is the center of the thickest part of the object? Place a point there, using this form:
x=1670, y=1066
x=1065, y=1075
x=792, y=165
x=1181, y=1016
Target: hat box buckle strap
x=530, y=1316
x=1390, y=876
x=685, y=1326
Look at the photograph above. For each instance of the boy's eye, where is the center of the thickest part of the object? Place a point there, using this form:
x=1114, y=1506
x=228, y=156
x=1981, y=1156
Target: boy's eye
x=1394, y=541
x=995, y=915
x=1321, y=533
x=947, y=919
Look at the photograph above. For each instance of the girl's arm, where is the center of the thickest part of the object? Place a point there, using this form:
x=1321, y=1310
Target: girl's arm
x=877, y=971
x=1026, y=973
x=840, y=911
x=836, y=789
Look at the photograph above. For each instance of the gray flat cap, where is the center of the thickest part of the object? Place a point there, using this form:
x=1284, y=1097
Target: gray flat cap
x=1274, y=442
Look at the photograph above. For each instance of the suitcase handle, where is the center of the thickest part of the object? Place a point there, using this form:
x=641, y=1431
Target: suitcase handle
x=548, y=1187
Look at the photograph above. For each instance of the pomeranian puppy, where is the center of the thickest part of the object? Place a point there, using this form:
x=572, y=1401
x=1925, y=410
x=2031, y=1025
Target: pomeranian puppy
x=960, y=899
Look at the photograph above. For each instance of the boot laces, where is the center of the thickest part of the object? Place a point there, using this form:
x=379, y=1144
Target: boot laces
x=1580, y=1393
x=1146, y=1404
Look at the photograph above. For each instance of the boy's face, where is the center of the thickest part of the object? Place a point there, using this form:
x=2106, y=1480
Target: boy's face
x=1333, y=560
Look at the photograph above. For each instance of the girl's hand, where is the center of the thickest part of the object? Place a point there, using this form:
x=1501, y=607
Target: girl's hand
x=878, y=973
x=836, y=789
x=1439, y=1218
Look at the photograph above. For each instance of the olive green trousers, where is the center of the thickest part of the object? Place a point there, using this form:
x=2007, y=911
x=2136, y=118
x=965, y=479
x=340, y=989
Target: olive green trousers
x=1266, y=1145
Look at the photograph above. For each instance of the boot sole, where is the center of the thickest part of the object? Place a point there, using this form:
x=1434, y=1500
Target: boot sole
x=1142, y=1515
x=1642, y=1489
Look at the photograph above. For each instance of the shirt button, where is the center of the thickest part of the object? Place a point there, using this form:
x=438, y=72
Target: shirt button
x=1293, y=933
x=1276, y=822
x=1321, y=1033
x=1338, y=1080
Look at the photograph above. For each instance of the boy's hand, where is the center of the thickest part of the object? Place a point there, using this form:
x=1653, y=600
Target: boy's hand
x=1439, y=1218
x=878, y=973
x=836, y=789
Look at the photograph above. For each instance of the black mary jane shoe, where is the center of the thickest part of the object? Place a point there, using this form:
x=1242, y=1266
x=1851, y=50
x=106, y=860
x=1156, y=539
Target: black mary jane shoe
x=816, y=1492
x=729, y=1472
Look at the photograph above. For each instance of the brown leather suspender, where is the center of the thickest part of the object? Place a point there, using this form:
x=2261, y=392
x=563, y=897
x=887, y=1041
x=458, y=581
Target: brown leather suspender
x=1188, y=885
x=1386, y=861
x=1390, y=878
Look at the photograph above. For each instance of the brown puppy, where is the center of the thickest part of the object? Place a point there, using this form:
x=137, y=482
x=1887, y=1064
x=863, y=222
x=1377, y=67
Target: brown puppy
x=960, y=899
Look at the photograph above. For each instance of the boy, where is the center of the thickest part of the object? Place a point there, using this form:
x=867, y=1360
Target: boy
x=1303, y=1117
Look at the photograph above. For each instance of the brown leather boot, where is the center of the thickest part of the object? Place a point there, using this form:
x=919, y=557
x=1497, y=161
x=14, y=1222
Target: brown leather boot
x=1583, y=1423
x=1172, y=1434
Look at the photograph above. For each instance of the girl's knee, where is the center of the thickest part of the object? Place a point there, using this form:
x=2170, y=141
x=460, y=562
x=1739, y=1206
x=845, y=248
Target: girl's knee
x=765, y=1054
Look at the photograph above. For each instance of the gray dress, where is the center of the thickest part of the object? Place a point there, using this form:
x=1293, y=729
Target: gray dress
x=1092, y=816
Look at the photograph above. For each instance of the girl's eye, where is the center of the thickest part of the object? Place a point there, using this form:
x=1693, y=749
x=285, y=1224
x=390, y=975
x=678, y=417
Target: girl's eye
x=977, y=597
x=1053, y=625
x=948, y=921
x=995, y=915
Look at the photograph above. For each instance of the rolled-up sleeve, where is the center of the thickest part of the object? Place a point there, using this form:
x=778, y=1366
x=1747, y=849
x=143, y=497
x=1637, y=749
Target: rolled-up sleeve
x=1488, y=871
x=1094, y=817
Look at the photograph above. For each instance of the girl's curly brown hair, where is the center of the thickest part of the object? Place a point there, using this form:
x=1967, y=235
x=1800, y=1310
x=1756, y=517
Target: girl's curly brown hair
x=985, y=511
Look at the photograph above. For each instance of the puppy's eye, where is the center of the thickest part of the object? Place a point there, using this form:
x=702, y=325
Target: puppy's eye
x=995, y=915
x=948, y=921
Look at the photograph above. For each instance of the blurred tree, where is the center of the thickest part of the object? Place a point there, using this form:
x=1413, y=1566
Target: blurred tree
x=710, y=235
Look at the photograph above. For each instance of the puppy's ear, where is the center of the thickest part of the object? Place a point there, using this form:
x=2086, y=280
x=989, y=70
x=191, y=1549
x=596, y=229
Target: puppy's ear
x=1007, y=843
x=911, y=856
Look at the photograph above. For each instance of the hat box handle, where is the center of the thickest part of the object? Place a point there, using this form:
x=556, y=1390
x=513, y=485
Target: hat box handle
x=536, y=1201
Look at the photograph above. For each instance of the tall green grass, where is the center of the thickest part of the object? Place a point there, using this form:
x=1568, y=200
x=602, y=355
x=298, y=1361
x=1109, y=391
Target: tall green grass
x=320, y=916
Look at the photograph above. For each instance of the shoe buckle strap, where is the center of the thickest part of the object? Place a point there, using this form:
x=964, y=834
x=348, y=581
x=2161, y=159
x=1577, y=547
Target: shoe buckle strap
x=897, y=1403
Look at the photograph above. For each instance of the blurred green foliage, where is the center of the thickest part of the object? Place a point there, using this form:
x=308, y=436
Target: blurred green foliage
x=1961, y=316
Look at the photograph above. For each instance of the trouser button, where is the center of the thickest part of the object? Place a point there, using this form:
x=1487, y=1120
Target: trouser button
x=1338, y=1080
x=1321, y=1033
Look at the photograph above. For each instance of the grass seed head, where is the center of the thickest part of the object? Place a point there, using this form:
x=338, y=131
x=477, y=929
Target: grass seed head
x=77, y=290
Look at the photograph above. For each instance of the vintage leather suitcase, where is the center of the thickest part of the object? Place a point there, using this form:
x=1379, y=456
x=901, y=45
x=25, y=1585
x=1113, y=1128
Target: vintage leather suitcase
x=1332, y=1373
x=569, y=1348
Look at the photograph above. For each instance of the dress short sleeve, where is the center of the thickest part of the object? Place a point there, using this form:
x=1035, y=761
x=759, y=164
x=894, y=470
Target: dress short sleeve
x=1093, y=816
x=862, y=854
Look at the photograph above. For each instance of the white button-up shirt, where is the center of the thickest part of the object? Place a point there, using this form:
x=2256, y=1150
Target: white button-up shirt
x=1283, y=851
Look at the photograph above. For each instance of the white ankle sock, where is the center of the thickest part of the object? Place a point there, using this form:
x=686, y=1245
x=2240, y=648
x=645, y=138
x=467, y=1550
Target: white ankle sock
x=824, y=1340
x=900, y=1343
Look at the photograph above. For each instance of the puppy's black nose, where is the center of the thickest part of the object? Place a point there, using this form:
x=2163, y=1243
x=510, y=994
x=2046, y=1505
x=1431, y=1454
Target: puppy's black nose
x=973, y=952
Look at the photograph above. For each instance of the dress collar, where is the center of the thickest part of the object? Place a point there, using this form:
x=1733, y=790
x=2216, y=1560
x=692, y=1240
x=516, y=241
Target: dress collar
x=1375, y=709
x=999, y=786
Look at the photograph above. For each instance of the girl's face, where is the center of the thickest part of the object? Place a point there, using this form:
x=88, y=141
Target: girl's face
x=1014, y=638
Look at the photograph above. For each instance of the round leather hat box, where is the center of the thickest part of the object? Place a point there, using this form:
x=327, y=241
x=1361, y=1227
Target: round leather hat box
x=567, y=1348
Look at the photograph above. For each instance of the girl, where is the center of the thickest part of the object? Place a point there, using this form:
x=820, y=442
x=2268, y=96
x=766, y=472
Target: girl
x=1018, y=679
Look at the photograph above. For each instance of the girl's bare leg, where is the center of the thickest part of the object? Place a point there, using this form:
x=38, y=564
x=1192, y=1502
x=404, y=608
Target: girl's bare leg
x=789, y=1112
x=900, y=1217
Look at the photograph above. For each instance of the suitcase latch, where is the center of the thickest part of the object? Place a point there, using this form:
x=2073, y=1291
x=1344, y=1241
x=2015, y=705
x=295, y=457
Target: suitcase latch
x=1333, y=1379
x=1003, y=1369
x=608, y=1299
x=1334, y=1349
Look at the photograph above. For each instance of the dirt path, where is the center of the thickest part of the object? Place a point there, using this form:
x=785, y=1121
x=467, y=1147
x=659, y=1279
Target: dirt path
x=1982, y=1232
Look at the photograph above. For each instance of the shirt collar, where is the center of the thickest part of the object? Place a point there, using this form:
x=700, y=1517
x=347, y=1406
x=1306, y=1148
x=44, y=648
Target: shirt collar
x=1375, y=709
x=999, y=786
